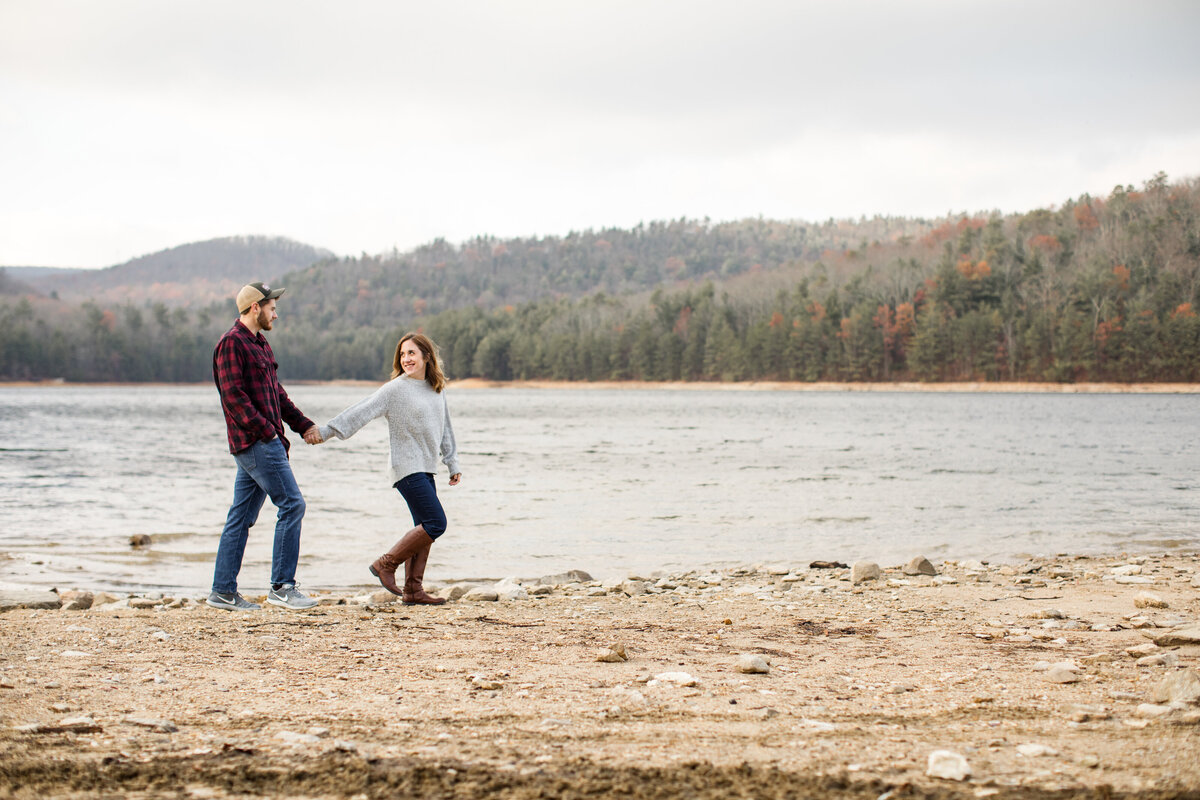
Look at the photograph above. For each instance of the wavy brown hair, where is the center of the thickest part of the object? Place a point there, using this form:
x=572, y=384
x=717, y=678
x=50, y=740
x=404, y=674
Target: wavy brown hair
x=433, y=370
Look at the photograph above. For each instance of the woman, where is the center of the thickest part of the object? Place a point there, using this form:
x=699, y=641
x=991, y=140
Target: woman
x=419, y=424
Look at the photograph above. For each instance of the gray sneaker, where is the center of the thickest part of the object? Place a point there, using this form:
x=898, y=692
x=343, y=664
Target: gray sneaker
x=231, y=602
x=288, y=596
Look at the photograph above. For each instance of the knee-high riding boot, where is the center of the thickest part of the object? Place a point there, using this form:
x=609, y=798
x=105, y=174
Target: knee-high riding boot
x=384, y=567
x=414, y=575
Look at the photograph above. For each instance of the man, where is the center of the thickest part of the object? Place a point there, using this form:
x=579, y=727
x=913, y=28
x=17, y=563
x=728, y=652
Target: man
x=256, y=407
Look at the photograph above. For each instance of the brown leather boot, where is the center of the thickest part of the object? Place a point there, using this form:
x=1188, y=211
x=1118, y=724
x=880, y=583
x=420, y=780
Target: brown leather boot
x=414, y=575
x=384, y=567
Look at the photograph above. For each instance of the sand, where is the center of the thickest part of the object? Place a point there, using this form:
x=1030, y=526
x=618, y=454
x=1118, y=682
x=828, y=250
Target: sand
x=507, y=699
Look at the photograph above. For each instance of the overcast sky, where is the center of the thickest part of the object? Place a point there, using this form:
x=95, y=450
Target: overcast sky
x=129, y=126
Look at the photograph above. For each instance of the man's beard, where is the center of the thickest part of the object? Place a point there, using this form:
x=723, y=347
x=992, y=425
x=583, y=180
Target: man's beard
x=264, y=320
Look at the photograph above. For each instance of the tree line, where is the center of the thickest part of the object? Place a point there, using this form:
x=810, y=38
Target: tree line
x=1097, y=289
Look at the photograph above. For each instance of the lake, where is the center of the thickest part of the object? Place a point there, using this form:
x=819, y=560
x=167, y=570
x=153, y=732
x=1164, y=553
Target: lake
x=608, y=480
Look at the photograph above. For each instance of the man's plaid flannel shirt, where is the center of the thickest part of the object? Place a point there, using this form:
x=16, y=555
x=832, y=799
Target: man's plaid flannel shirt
x=255, y=405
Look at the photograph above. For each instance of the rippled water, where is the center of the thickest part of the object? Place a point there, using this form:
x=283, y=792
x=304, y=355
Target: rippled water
x=605, y=480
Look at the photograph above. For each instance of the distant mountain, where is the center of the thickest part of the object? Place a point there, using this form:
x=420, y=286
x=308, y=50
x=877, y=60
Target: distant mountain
x=188, y=275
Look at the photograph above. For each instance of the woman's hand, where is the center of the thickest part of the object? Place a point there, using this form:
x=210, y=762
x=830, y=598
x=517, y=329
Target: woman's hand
x=455, y=478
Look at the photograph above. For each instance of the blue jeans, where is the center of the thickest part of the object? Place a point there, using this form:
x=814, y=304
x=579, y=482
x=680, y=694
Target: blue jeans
x=419, y=492
x=262, y=470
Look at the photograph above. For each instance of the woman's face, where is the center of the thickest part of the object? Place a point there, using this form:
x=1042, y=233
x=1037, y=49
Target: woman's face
x=412, y=360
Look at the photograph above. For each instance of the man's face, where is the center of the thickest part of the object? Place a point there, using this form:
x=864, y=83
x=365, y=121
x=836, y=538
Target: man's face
x=266, y=315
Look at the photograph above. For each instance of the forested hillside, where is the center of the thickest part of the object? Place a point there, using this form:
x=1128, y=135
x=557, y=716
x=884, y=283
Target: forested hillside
x=189, y=275
x=1097, y=289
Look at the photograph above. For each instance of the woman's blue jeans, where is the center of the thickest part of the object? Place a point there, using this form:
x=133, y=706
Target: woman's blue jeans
x=263, y=470
x=419, y=492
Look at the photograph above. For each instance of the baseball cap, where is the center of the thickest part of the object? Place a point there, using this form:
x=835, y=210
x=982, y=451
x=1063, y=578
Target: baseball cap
x=253, y=293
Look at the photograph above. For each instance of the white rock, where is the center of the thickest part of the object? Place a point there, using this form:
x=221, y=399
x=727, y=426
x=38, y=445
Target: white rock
x=864, y=571
x=1149, y=600
x=296, y=739
x=1158, y=660
x=1179, y=687
x=752, y=664
x=74, y=654
x=613, y=654
x=674, y=678
x=1127, y=569
x=1178, y=636
x=948, y=765
x=1133, y=580
x=1032, y=750
x=1059, y=674
x=482, y=593
x=944, y=580
x=919, y=565
x=1150, y=710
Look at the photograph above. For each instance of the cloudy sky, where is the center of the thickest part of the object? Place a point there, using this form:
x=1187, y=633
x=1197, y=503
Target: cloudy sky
x=129, y=126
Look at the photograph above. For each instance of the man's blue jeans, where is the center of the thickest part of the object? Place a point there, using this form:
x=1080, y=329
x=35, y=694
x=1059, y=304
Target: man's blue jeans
x=262, y=470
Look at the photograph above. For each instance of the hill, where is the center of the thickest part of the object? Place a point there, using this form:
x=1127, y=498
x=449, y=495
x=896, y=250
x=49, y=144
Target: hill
x=188, y=275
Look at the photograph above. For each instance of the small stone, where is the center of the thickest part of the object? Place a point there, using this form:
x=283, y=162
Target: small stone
x=143, y=602
x=162, y=636
x=1179, y=687
x=75, y=654
x=675, y=678
x=318, y=732
x=1133, y=580
x=612, y=655
x=633, y=588
x=154, y=723
x=920, y=565
x=479, y=682
x=104, y=598
x=1158, y=660
x=1048, y=613
x=76, y=600
x=1033, y=750
x=944, y=580
x=10, y=600
x=948, y=765
x=541, y=589
x=482, y=594
x=1179, y=636
x=79, y=725
x=1060, y=674
x=139, y=540
x=295, y=739
x=1149, y=600
x=571, y=576
x=752, y=664
x=1137, y=651
x=864, y=571
x=1098, y=658
x=1127, y=569
x=1151, y=711
x=459, y=590
x=382, y=598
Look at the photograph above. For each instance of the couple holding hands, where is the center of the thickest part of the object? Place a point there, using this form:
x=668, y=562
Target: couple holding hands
x=256, y=408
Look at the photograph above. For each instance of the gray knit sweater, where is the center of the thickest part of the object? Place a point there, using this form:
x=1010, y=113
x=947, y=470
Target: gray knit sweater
x=418, y=424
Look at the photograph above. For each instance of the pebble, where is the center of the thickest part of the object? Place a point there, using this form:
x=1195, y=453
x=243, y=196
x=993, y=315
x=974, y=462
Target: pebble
x=1179, y=687
x=143, y=602
x=752, y=664
x=674, y=678
x=1048, y=613
x=948, y=765
x=1150, y=710
x=864, y=571
x=919, y=565
x=296, y=739
x=154, y=723
x=77, y=600
x=1178, y=636
x=1133, y=580
x=482, y=593
x=1158, y=660
x=1127, y=569
x=1033, y=750
x=1149, y=600
x=1140, y=650
x=1061, y=674
x=612, y=654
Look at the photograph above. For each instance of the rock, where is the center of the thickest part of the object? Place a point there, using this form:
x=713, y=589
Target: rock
x=318, y=732
x=827, y=565
x=143, y=602
x=154, y=723
x=68, y=725
x=1150, y=710
x=75, y=654
x=1048, y=613
x=541, y=589
x=104, y=598
x=76, y=600
x=10, y=600
x=674, y=678
x=1149, y=600
x=973, y=565
x=1158, y=660
x=613, y=654
x=1032, y=750
x=948, y=765
x=864, y=571
x=482, y=593
x=1141, y=650
x=944, y=580
x=752, y=664
x=920, y=566
x=459, y=590
x=382, y=598
x=1127, y=569
x=1179, y=687
x=139, y=540
x=480, y=682
x=509, y=590
x=633, y=588
x=1133, y=580
x=1178, y=636
x=571, y=576
x=1060, y=673
x=296, y=739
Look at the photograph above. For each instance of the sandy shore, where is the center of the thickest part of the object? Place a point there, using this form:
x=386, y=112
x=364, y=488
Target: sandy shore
x=1045, y=677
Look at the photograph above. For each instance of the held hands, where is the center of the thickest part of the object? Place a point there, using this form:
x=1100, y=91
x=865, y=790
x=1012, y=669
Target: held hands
x=313, y=435
x=455, y=478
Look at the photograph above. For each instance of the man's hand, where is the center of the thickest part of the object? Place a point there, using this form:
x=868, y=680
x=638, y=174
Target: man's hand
x=313, y=435
x=455, y=478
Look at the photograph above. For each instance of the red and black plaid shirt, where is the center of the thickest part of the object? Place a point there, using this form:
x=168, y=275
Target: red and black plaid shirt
x=255, y=405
